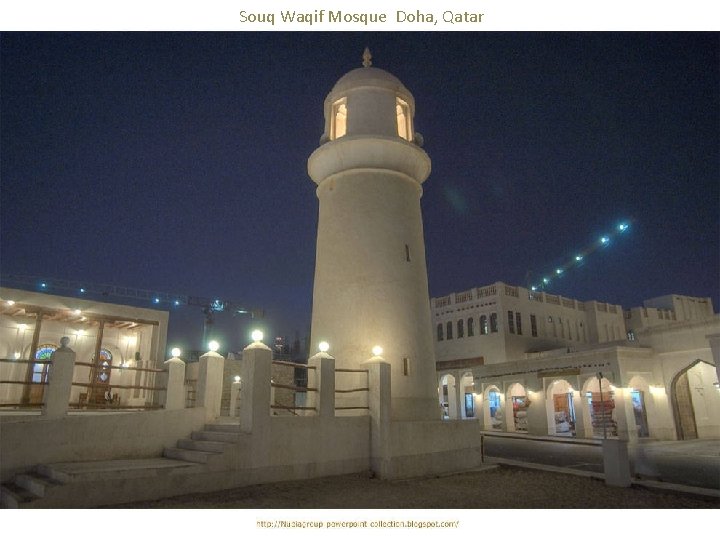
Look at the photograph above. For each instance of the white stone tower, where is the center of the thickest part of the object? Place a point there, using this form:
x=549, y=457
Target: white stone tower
x=370, y=274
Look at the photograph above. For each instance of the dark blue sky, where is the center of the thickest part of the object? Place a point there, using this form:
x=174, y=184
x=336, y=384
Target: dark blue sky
x=177, y=161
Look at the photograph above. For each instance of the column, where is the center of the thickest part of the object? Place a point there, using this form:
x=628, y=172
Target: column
x=210, y=382
x=175, y=391
x=255, y=394
x=60, y=376
x=324, y=398
x=379, y=401
x=234, y=396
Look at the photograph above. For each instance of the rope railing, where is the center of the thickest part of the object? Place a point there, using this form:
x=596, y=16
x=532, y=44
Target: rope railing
x=45, y=383
x=20, y=361
x=128, y=368
x=292, y=364
x=292, y=387
x=354, y=390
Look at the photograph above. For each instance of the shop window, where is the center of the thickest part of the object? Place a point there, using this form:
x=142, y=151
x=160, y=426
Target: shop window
x=483, y=325
x=404, y=125
x=440, y=332
x=511, y=322
x=518, y=323
x=449, y=332
x=460, y=328
x=338, y=125
x=533, y=326
x=493, y=323
x=471, y=327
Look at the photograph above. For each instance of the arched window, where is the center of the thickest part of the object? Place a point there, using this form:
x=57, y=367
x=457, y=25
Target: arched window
x=439, y=332
x=493, y=322
x=471, y=327
x=338, y=125
x=40, y=371
x=448, y=332
x=461, y=328
x=103, y=367
x=403, y=120
x=483, y=325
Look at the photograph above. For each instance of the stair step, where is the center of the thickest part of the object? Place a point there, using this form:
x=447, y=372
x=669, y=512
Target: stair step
x=113, y=469
x=14, y=496
x=203, y=445
x=220, y=436
x=35, y=483
x=230, y=428
x=194, y=456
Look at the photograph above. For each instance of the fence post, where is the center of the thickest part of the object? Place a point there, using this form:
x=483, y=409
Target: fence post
x=210, y=383
x=379, y=401
x=324, y=401
x=175, y=391
x=255, y=380
x=60, y=376
x=234, y=396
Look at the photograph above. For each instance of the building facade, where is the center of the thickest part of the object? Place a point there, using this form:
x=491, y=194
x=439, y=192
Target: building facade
x=531, y=362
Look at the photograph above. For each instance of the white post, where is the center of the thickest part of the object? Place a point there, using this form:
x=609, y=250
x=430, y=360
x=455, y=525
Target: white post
x=60, y=376
x=324, y=398
x=175, y=392
x=234, y=396
x=714, y=340
x=255, y=380
x=380, y=411
x=210, y=382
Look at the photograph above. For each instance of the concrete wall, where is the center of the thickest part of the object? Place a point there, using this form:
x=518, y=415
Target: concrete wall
x=26, y=441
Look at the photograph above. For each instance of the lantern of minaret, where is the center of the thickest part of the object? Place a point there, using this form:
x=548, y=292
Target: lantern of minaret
x=371, y=285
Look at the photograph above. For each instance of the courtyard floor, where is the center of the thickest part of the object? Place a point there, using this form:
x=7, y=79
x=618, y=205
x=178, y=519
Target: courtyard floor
x=510, y=487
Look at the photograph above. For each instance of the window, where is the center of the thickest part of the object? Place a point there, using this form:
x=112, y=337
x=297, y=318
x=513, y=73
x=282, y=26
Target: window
x=439, y=332
x=406, y=366
x=631, y=335
x=40, y=371
x=533, y=325
x=549, y=318
x=483, y=325
x=403, y=119
x=493, y=322
x=461, y=329
x=449, y=330
x=407, y=253
x=338, y=125
x=103, y=369
x=518, y=322
x=511, y=322
x=471, y=327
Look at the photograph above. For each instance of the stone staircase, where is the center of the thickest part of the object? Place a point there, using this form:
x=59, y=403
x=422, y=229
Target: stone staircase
x=87, y=484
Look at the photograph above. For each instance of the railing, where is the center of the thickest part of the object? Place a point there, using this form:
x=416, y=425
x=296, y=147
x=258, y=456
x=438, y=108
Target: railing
x=103, y=396
x=490, y=290
x=292, y=409
x=511, y=291
x=463, y=296
x=190, y=393
x=552, y=299
x=568, y=303
x=356, y=390
x=21, y=395
x=442, y=302
x=612, y=308
x=602, y=307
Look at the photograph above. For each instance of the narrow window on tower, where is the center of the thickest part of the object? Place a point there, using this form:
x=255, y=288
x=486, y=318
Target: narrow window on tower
x=440, y=332
x=471, y=327
x=511, y=322
x=407, y=253
x=518, y=322
x=406, y=366
x=493, y=323
x=533, y=325
x=338, y=126
x=461, y=330
x=448, y=332
x=403, y=119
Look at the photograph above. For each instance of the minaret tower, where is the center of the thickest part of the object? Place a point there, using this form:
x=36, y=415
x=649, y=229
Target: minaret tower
x=370, y=274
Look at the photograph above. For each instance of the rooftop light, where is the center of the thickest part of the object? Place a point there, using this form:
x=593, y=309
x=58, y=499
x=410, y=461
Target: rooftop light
x=257, y=335
x=213, y=346
x=324, y=346
x=377, y=350
x=176, y=352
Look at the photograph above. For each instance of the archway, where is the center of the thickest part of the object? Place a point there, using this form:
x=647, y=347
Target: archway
x=639, y=390
x=493, y=412
x=561, y=410
x=448, y=397
x=695, y=401
x=517, y=396
x=467, y=394
x=600, y=413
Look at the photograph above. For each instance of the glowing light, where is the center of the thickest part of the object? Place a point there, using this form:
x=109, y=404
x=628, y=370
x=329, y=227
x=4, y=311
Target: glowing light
x=324, y=346
x=558, y=271
x=546, y=280
x=177, y=302
x=156, y=300
x=22, y=326
x=257, y=335
x=176, y=352
x=604, y=240
x=578, y=258
x=213, y=346
x=11, y=302
x=237, y=378
x=79, y=332
x=623, y=227
x=17, y=356
x=82, y=290
x=377, y=350
x=533, y=288
x=77, y=312
x=43, y=285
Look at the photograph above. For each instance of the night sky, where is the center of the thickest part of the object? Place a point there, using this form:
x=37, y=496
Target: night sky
x=177, y=162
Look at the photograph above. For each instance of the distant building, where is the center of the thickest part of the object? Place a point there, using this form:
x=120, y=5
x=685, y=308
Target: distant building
x=528, y=361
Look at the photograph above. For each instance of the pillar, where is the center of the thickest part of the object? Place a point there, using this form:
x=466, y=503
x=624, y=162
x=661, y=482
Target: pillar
x=379, y=401
x=537, y=413
x=255, y=380
x=459, y=396
x=175, y=391
x=324, y=398
x=616, y=463
x=714, y=340
x=210, y=383
x=60, y=376
x=234, y=397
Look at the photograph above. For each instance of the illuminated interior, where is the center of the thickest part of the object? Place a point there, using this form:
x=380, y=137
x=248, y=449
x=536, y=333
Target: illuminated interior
x=338, y=126
x=403, y=119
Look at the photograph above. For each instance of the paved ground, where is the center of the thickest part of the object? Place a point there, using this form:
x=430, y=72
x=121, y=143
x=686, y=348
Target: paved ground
x=500, y=487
